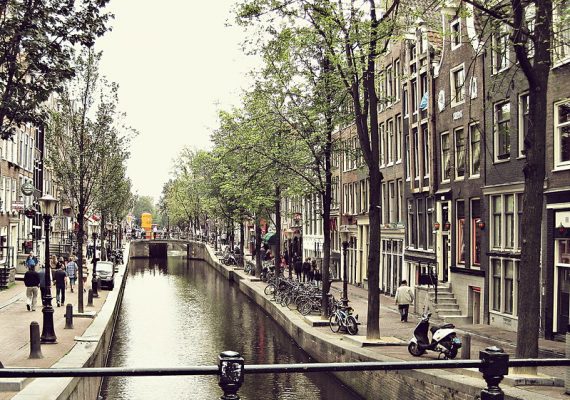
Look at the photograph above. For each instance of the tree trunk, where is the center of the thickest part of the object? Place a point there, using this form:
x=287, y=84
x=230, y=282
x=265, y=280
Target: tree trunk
x=80, y=260
x=242, y=242
x=257, y=248
x=373, y=316
x=278, y=231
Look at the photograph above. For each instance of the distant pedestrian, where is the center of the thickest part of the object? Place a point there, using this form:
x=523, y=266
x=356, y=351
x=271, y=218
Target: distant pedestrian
x=71, y=269
x=32, y=281
x=306, y=269
x=31, y=261
x=43, y=291
x=404, y=297
x=317, y=275
x=298, y=264
x=59, y=279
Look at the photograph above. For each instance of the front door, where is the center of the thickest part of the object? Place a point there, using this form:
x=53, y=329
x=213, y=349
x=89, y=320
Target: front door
x=476, y=305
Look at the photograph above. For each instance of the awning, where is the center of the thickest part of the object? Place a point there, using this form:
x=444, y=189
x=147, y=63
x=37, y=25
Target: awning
x=270, y=238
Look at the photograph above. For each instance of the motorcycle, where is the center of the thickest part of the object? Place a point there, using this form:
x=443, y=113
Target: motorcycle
x=444, y=339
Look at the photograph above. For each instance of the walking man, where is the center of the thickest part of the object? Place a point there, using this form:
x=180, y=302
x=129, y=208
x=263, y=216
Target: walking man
x=404, y=297
x=59, y=278
x=42, y=275
x=71, y=270
x=298, y=265
x=32, y=281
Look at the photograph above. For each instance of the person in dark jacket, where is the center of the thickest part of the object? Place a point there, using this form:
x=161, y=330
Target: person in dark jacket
x=42, y=275
x=306, y=270
x=298, y=264
x=32, y=282
x=59, y=279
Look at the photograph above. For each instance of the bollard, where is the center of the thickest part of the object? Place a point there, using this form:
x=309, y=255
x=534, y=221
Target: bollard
x=230, y=365
x=466, y=347
x=35, y=343
x=90, y=298
x=69, y=316
x=567, y=381
x=495, y=366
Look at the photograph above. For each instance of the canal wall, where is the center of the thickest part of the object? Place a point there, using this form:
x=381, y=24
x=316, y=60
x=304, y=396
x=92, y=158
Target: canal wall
x=91, y=350
x=413, y=385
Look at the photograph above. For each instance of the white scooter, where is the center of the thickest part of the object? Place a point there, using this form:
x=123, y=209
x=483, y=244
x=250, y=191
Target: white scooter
x=443, y=339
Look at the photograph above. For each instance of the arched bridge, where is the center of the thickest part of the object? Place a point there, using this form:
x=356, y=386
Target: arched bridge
x=161, y=248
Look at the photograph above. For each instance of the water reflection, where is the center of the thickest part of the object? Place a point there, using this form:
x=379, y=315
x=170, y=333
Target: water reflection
x=185, y=313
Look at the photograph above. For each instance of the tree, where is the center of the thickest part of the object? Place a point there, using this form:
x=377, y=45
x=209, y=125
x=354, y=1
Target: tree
x=77, y=141
x=143, y=204
x=353, y=36
x=36, y=54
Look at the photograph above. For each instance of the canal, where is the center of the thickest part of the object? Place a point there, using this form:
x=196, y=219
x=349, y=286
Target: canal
x=180, y=313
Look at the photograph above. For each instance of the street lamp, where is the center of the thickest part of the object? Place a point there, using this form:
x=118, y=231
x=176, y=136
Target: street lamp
x=47, y=203
x=94, y=287
x=344, y=236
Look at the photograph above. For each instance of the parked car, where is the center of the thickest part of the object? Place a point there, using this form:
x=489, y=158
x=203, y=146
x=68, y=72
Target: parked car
x=106, y=274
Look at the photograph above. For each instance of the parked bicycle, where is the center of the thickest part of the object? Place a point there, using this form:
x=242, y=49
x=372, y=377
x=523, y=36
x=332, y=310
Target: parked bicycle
x=342, y=319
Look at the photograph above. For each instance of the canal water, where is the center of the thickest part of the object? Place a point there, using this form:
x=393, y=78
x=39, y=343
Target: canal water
x=184, y=313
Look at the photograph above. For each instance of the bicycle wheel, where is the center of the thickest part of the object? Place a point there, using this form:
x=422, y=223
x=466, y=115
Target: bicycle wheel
x=305, y=307
x=270, y=290
x=334, y=323
x=351, y=325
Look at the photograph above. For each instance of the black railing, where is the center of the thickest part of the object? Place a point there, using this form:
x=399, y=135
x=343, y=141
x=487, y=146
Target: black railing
x=493, y=364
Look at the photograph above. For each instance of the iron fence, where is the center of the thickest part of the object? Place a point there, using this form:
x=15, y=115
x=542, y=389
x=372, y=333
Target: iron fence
x=493, y=363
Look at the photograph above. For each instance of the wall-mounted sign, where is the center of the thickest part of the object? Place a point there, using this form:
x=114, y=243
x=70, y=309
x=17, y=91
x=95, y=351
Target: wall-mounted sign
x=27, y=189
x=17, y=205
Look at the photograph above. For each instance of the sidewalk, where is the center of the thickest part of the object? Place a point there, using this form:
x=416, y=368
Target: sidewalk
x=482, y=336
x=16, y=319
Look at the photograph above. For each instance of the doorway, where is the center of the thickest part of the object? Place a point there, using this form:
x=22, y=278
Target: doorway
x=475, y=304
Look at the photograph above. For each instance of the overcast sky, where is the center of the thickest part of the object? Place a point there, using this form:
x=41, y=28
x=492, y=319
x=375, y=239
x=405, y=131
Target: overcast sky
x=176, y=64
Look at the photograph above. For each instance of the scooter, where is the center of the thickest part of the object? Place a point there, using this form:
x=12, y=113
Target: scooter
x=443, y=339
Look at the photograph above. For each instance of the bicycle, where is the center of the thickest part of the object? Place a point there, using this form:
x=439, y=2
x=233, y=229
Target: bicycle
x=342, y=318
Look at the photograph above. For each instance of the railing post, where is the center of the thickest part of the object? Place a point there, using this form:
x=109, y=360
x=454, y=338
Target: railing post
x=230, y=365
x=466, y=347
x=494, y=367
x=90, y=298
x=35, y=342
x=69, y=316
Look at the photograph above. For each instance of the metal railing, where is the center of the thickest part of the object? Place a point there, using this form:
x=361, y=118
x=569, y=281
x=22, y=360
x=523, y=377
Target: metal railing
x=493, y=363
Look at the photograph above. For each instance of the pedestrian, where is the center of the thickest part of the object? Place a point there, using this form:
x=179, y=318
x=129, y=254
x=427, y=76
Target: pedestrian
x=42, y=275
x=31, y=261
x=313, y=269
x=71, y=269
x=32, y=281
x=306, y=269
x=404, y=297
x=59, y=279
x=298, y=264
x=317, y=275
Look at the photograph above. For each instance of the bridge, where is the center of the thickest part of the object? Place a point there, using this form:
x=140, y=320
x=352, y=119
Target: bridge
x=161, y=248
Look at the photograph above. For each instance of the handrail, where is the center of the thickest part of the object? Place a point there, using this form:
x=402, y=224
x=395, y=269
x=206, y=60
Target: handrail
x=493, y=362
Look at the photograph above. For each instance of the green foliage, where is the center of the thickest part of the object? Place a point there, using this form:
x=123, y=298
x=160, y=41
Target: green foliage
x=36, y=53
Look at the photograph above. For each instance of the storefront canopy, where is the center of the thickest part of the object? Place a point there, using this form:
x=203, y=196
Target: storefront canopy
x=270, y=238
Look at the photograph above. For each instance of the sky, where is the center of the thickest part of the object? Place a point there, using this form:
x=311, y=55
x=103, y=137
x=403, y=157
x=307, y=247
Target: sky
x=177, y=64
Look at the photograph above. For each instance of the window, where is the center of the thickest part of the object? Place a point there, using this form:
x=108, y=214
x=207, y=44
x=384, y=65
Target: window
x=523, y=122
x=445, y=159
x=408, y=155
x=398, y=138
x=561, y=31
x=459, y=153
x=390, y=144
x=405, y=106
x=496, y=285
x=382, y=145
x=414, y=94
x=502, y=134
x=389, y=85
x=474, y=150
x=500, y=49
x=397, y=80
x=416, y=171
x=399, y=199
x=504, y=285
x=429, y=225
x=391, y=202
x=497, y=212
x=381, y=90
x=455, y=28
x=476, y=234
x=519, y=217
x=562, y=134
x=411, y=224
x=421, y=223
x=457, y=76
x=426, y=158
x=460, y=211
x=506, y=211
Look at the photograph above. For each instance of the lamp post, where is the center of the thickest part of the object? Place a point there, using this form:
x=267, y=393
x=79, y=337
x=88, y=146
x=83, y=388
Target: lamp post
x=94, y=285
x=47, y=203
x=344, y=236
